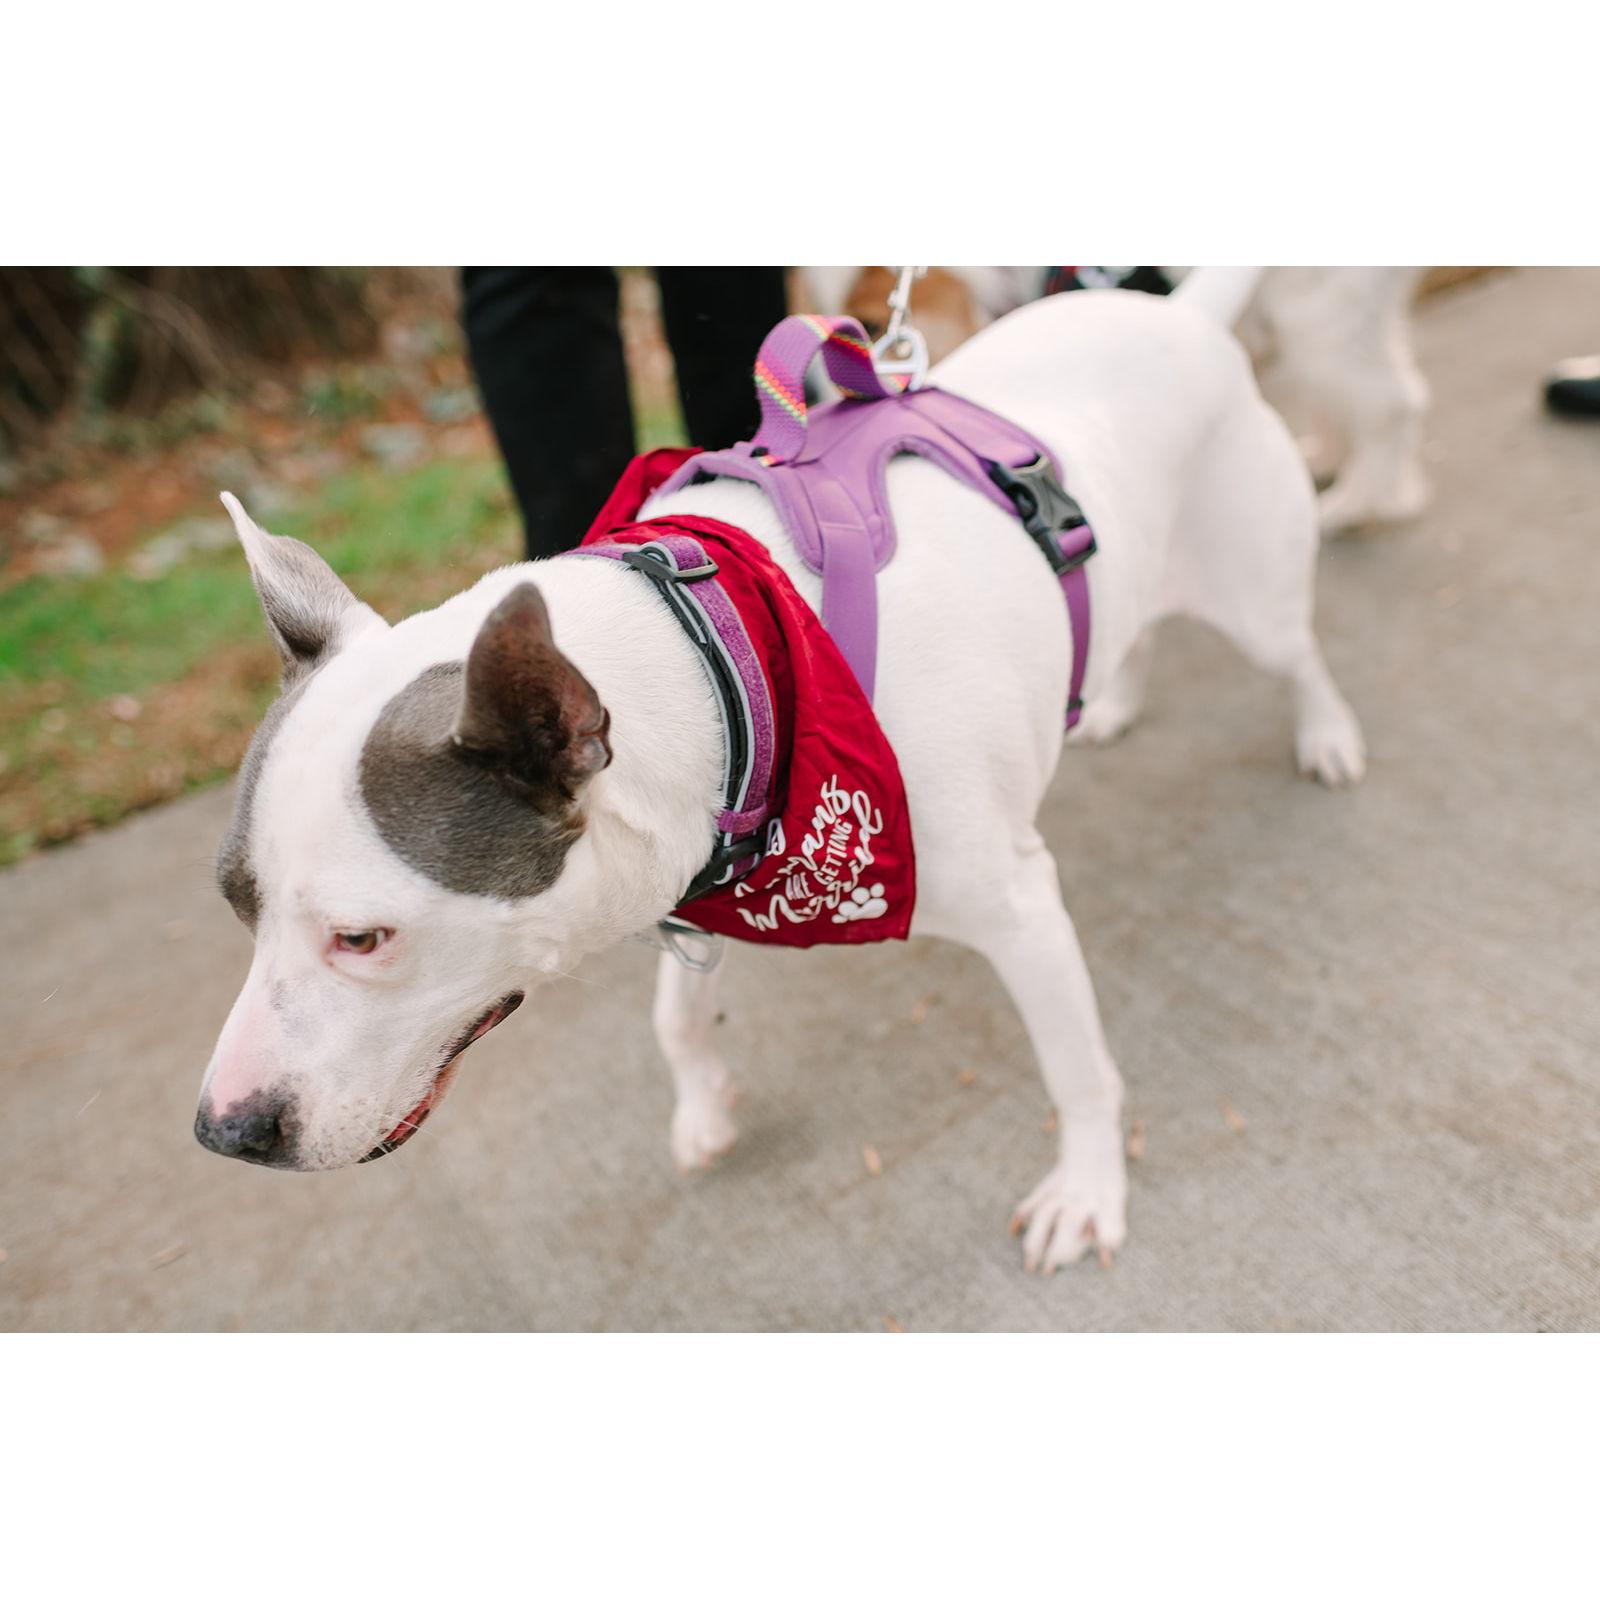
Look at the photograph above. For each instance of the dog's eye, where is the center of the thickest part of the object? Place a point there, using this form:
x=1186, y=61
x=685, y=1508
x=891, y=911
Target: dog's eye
x=360, y=944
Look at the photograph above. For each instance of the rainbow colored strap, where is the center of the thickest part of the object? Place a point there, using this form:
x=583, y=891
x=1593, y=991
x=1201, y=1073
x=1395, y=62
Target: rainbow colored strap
x=780, y=375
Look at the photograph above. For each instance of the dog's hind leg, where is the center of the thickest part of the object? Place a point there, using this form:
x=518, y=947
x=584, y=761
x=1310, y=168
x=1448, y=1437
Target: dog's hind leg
x=1344, y=339
x=1248, y=567
x=1024, y=930
x=1328, y=744
x=1327, y=738
x=1381, y=409
x=1112, y=712
x=685, y=1015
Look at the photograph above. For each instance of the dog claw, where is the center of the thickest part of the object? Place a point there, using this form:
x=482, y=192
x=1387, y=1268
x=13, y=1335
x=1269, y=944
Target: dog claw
x=1331, y=750
x=1079, y=1208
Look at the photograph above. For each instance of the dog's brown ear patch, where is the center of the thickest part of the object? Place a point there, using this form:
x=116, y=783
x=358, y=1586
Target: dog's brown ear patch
x=526, y=711
x=471, y=772
x=449, y=812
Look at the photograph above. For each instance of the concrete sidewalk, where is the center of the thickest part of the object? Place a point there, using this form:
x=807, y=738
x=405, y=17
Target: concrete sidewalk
x=1362, y=1031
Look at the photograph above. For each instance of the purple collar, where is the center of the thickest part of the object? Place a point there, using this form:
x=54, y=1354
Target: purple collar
x=685, y=575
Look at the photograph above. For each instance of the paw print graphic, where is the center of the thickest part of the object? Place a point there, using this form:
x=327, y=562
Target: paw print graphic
x=863, y=905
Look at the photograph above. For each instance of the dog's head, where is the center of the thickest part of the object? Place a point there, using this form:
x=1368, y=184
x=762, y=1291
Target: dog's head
x=404, y=813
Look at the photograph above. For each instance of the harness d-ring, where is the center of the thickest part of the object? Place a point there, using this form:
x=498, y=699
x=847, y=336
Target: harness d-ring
x=679, y=939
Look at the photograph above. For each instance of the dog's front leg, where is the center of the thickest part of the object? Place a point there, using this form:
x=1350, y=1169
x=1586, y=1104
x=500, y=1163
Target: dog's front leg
x=1081, y=1204
x=685, y=1015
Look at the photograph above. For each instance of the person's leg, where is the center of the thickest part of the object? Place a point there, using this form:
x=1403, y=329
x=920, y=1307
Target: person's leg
x=715, y=320
x=547, y=353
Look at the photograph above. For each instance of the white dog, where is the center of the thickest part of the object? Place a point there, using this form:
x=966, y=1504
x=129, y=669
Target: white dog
x=438, y=814
x=1338, y=339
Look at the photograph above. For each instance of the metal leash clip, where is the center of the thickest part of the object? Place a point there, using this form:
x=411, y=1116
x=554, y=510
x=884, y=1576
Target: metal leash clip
x=902, y=351
x=696, y=949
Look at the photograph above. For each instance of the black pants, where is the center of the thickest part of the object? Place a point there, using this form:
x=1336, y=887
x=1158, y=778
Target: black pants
x=547, y=352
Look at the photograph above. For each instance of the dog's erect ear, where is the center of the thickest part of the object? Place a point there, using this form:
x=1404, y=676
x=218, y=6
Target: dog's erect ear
x=525, y=709
x=310, y=614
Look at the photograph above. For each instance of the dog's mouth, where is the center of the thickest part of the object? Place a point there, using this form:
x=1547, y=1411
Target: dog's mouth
x=442, y=1079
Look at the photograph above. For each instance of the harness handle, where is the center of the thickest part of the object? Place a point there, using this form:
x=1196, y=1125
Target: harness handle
x=780, y=376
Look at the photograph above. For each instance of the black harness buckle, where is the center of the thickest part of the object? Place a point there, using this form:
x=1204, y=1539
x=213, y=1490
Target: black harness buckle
x=728, y=861
x=1046, y=510
x=655, y=565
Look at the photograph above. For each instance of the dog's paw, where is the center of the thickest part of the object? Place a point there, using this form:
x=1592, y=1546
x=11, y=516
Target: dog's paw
x=1329, y=747
x=1345, y=507
x=702, y=1130
x=1082, y=1204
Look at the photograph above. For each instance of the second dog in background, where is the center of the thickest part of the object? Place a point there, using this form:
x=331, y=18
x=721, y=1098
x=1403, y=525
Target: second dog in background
x=1337, y=339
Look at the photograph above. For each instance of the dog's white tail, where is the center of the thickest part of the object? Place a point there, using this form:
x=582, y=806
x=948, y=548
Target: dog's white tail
x=1221, y=292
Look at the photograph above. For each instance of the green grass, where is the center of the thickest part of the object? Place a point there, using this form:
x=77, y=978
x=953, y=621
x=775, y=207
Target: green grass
x=117, y=634
x=190, y=645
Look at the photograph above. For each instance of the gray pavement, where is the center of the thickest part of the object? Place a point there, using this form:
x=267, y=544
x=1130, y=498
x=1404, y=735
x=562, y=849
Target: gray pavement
x=1360, y=1031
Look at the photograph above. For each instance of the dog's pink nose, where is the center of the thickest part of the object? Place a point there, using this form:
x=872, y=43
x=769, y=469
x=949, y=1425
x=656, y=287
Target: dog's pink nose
x=259, y=1129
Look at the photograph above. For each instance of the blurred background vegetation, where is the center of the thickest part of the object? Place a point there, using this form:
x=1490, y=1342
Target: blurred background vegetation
x=336, y=402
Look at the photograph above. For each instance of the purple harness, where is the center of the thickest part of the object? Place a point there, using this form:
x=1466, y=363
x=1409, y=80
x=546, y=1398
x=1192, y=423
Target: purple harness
x=825, y=474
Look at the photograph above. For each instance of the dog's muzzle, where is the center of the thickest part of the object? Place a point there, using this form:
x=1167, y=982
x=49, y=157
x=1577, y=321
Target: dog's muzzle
x=443, y=1077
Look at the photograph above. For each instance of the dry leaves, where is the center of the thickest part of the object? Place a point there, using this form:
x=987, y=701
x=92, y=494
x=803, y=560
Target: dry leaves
x=1233, y=1119
x=869, y=1154
x=967, y=1078
x=165, y=1258
x=919, y=1012
x=1136, y=1142
x=1049, y=1123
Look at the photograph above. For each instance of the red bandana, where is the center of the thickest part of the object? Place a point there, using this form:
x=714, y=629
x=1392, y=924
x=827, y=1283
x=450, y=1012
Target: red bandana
x=838, y=866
